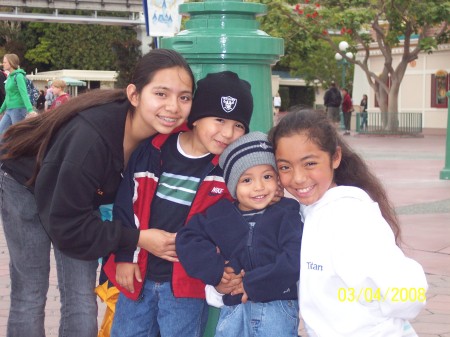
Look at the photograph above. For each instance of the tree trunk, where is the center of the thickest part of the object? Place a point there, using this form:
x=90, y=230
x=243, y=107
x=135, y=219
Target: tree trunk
x=392, y=124
x=382, y=99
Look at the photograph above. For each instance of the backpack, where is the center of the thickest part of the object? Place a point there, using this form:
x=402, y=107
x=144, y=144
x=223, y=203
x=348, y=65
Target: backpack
x=33, y=93
x=336, y=98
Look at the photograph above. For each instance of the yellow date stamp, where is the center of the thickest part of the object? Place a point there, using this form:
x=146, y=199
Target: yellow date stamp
x=391, y=294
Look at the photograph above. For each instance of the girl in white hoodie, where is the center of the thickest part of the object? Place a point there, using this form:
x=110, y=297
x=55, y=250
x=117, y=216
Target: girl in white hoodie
x=354, y=278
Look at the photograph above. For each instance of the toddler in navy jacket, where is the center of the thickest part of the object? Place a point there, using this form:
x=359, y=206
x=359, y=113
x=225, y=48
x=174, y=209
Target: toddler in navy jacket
x=252, y=235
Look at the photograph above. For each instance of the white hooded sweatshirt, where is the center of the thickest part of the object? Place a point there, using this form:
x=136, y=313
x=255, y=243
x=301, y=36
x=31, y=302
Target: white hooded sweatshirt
x=354, y=280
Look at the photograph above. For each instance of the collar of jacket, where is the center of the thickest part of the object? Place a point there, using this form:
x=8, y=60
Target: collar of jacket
x=18, y=71
x=160, y=139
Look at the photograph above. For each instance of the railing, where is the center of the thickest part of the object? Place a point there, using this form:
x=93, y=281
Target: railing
x=403, y=123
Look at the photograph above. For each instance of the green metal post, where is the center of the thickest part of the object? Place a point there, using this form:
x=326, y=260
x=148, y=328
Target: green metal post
x=445, y=173
x=223, y=35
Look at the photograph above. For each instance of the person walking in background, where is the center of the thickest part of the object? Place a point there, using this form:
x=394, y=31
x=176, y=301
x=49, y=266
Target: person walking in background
x=277, y=102
x=57, y=169
x=40, y=104
x=364, y=115
x=347, y=110
x=49, y=97
x=276, y=108
x=58, y=87
x=169, y=179
x=17, y=102
x=253, y=235
x=332, y=101
x=352, y=270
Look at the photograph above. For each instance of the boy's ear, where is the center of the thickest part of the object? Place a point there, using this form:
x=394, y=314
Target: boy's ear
x=133, y=95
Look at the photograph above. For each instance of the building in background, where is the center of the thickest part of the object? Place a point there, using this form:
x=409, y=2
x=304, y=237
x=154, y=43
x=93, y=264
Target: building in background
x=423, y=88
x=78, y=81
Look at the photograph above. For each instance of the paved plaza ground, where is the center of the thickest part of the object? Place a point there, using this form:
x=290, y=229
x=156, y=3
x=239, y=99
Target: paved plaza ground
x=409, y=168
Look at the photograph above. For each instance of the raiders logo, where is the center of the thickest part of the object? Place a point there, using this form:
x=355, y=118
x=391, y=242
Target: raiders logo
x=228, y=103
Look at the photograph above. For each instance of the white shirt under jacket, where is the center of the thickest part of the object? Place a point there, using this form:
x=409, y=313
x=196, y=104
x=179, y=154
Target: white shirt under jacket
x=348, y=248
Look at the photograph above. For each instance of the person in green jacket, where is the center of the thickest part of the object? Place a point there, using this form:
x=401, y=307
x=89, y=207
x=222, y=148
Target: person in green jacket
x=17, y=102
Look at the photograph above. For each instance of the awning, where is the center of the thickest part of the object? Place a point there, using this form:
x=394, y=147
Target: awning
x=73, y=82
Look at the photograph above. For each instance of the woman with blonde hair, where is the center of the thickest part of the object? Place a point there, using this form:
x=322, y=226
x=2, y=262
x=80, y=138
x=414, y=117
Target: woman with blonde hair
x=17, y=102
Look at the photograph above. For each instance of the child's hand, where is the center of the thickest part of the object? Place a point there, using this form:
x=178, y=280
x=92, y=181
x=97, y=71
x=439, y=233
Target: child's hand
x=239, y=289
x=229, y=281
x=125, y=274
x=158, y=242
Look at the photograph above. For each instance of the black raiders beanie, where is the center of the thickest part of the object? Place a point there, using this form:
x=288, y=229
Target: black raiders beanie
x=222, y=95
x=247, y=151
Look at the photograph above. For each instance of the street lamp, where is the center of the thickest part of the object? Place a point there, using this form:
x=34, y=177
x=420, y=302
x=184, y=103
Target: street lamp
x=343, y=45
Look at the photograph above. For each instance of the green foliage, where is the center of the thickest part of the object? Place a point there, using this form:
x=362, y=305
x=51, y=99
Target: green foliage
x=127, y=53
x=71, y=46
x=354, y=19
x=418, y=25
x=49, y=46
x=307, y=57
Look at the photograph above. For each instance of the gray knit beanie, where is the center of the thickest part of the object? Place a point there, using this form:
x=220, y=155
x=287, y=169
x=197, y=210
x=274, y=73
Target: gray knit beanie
x=247, y=151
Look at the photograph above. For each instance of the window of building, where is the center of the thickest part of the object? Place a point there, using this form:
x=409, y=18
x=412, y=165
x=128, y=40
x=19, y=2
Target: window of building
x=439, y=87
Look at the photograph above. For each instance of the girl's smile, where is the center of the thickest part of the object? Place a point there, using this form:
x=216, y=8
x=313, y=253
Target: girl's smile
x=305, y=170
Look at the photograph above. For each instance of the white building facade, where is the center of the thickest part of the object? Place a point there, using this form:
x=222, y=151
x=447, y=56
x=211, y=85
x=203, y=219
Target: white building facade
x=425, y=81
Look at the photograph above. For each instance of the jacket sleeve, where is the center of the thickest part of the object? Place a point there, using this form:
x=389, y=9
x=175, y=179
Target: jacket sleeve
x=368, y=260
x=197, y=251
x=277, y=280
x=21, y=85
x=65, y=194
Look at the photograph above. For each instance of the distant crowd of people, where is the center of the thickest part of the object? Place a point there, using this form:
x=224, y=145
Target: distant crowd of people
x=336, y=100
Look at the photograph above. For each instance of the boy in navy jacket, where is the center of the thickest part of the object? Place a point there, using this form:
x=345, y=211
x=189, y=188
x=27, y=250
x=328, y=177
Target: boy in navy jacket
x=252, y=236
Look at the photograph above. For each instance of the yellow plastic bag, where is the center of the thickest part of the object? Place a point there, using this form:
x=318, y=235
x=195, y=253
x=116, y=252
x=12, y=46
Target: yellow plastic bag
x=108, y=295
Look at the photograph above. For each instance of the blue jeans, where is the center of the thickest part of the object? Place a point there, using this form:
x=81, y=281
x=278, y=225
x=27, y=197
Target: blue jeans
x=364, y=116
x=158, y=310
x=29, y=250
x=254, y=319
x=12, y=116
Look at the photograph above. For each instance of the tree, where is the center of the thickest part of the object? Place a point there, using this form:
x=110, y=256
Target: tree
x=50, y=46
x=11, y=40
x=412, y=25
x=65, y=46
x=311, y=59
x=127, y=52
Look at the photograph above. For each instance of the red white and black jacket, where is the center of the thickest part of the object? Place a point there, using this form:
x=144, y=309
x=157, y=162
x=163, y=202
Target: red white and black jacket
x=132, y=207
